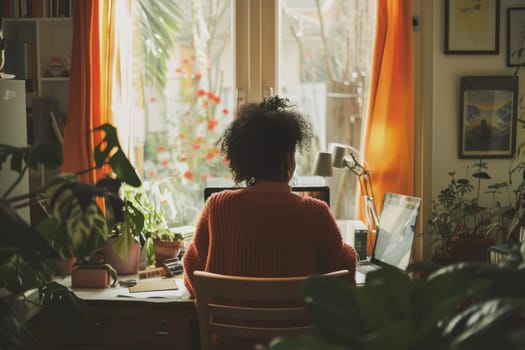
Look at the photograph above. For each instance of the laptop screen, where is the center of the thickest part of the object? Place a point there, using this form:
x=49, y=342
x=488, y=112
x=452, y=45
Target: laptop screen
x=395, y=235
x=319, y=192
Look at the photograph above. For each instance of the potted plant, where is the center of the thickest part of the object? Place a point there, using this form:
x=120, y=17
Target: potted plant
x=76, y=225
x=160, y=241
x=462, y=228
x=460, y=306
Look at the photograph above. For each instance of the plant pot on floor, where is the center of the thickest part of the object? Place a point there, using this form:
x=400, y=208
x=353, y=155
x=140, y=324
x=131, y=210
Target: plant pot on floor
x=470, y=249
x=111, y=257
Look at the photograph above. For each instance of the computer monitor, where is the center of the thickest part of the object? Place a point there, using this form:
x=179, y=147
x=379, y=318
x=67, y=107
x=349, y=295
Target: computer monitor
x=318, y=191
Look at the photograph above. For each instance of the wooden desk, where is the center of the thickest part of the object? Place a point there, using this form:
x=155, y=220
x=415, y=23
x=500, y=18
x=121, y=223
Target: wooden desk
x=117, y=319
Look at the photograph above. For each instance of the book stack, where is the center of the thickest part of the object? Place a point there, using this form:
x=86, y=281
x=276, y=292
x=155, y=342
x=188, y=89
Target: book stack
x=36, y=8
x=497, y=253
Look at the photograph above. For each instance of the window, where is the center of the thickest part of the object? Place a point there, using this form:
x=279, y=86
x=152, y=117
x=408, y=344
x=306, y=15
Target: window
x=197, y=60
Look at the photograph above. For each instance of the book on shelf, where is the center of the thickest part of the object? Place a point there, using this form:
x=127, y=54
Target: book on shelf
x=21, y=62
x=36, y=8
x=497, y=253
x=56, y=128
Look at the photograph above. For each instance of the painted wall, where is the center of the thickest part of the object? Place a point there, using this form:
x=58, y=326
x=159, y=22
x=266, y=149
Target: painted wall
x=447, y=71
x=437, y=105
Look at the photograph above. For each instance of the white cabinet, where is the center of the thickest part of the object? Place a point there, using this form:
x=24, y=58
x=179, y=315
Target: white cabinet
x=13, y=132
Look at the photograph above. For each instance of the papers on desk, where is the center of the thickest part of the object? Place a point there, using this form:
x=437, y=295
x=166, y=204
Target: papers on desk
x=154, y=285
x=123, y=292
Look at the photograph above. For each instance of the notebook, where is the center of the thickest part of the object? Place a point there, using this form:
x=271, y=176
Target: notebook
x=395, y=235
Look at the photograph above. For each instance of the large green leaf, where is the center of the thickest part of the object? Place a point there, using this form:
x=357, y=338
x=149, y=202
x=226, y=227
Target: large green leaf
x=159, y=23
x=108, y=150
x=482, y=318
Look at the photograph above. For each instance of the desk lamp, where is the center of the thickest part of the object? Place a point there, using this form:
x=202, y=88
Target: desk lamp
x=323, y=164
x=348, y=161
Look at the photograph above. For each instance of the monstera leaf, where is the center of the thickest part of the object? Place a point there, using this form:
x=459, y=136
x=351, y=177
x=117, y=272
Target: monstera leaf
x=75, y=211
x=109, y=151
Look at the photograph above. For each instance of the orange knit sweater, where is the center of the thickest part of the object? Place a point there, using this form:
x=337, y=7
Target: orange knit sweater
x=266, y=230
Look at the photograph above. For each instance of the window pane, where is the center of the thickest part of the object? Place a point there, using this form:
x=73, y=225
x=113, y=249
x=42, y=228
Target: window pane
x=183, y=122
x=325, y=49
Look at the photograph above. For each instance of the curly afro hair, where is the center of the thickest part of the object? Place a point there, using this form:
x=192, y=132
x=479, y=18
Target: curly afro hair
x=262, y=140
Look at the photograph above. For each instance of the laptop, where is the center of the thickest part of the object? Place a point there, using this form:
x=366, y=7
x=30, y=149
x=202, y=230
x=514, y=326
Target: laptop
x=315, y=191
x=395, y=235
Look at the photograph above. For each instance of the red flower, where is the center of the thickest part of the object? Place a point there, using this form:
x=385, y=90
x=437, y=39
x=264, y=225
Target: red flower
x=183, y=159
x=199, y=139
x=205, y=104
x=204, y=176
x=212, y=123
x=211, y=95
x=165, y=162
x=153, y=99
x=152, y=173
x=201, y=92
x=188, y=175
x=178, y=70
x=161, y=148
x=210, y=155
x=196, y=146
x=225, y=111
x=225, y=161
x=217, y=99
x=198, y=75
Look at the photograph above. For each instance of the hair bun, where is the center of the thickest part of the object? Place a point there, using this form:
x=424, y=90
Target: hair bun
x=275, y=103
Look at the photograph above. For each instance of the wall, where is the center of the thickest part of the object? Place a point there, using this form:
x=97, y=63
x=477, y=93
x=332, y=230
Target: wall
x=439, y=110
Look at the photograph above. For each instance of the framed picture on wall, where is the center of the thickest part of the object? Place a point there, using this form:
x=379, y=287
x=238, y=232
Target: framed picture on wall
x=487, y=118
x=516, y=36
x=472, y=27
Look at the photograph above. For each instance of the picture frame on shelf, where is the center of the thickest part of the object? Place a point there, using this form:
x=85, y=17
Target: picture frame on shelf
x=487, y=117
x=472, y=27
x=515, y=36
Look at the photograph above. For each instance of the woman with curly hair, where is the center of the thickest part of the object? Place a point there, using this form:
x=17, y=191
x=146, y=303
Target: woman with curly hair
x=263, y=229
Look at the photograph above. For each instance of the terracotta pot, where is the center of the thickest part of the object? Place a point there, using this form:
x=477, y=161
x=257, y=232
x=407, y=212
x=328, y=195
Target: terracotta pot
x=129, y=267
x=166, y=250
x=67, y=265
x=470, y=249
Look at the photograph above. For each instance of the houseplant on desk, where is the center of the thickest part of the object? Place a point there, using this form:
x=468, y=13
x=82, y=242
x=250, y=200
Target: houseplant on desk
x=160, y=241
x=76, y=224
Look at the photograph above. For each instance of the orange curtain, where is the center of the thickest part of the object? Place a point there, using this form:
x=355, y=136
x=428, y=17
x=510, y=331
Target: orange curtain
x=389, y=135
x=89, y=87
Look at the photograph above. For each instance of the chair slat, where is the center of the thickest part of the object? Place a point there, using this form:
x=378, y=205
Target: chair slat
x=259, y=333
x=258, y=313
x=226, y=299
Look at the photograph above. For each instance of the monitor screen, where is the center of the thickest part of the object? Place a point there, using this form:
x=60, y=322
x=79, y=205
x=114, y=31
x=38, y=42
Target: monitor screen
x=319, y=192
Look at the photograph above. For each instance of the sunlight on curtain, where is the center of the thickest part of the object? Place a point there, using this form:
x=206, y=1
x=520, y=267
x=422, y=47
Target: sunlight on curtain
x=389, y=139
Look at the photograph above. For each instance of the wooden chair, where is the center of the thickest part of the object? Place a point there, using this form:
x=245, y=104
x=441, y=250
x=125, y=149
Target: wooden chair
x=216, y=293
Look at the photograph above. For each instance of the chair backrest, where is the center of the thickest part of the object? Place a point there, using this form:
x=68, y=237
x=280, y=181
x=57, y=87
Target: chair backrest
x=251, y=307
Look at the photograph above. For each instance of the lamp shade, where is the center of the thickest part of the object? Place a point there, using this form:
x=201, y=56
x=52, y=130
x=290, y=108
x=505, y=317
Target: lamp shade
x=338, y=153
x=323, y=164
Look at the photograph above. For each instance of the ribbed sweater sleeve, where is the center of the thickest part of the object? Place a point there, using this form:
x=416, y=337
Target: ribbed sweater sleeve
x=266, y=234
x=197, y=252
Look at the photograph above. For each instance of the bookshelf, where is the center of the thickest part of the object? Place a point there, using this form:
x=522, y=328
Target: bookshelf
x=38, y=52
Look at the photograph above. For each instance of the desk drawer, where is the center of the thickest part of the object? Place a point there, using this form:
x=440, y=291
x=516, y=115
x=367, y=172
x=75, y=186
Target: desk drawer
x=113, y=325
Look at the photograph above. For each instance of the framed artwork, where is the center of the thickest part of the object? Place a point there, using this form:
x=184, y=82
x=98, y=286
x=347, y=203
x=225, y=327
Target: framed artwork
x=487, y=118
x=516, y=36
x=472, y=27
